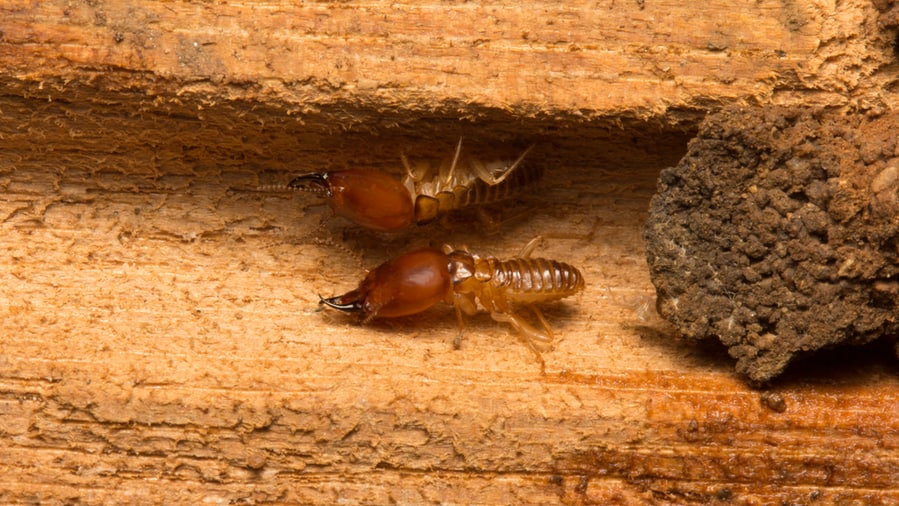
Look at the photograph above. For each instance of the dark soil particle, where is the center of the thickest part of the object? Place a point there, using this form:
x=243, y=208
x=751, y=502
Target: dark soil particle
x=778, y=233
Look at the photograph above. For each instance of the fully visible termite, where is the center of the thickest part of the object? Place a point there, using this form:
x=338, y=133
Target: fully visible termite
x=418, y=280
x=378, y=201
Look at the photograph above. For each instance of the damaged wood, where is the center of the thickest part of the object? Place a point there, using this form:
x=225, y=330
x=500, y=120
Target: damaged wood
x=162, y=339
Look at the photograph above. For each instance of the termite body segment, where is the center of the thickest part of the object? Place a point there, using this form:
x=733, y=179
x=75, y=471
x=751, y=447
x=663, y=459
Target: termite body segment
x=416, y=281
x=377, y=201
x=464, y=181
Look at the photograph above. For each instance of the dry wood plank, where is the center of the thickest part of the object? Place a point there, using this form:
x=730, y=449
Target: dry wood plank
x=630, y=59
x=160, y=333
x=160, y=337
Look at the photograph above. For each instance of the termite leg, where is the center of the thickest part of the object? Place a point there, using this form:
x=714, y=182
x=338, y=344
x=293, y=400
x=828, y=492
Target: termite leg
x=529, y=247
x=543, y=322
x=485, y=175
x=411, y=175
x=532, y=334
x=418, y=177
x=452, y=169
x=529, y=334
x=457, y=342
x=462, y=304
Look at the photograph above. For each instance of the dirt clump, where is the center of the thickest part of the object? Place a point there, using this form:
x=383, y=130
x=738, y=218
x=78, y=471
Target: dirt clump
x=778, y=233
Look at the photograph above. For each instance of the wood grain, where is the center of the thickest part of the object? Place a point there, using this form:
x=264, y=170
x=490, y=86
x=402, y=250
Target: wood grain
x=161, y=339
x=629, y=59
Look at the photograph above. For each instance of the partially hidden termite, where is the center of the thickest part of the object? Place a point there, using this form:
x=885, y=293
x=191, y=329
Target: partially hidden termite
x=420, y=279
x=378, y=201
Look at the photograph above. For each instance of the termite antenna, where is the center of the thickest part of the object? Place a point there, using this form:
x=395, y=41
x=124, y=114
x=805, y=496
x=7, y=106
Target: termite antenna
x=272, y=188
x=314, y=182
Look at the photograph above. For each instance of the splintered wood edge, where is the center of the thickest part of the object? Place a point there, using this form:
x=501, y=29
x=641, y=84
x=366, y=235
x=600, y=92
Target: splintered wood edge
x=634, y=59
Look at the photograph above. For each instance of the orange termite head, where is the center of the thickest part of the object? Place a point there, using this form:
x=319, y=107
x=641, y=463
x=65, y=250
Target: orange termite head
x=406, y=285
x=372, y=199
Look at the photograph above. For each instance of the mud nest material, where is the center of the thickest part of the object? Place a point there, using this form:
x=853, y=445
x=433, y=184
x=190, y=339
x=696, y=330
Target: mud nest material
x=777, y=234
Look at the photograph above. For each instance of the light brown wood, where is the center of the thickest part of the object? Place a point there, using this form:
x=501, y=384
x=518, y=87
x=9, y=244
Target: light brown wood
x=545, y=58
x=161, y=339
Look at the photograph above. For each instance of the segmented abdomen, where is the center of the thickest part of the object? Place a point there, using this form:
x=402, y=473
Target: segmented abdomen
x=431, y=201
x=482, y=193
x=535, y=279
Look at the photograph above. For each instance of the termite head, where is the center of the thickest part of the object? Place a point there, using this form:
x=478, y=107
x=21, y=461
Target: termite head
x=406, y=285
x=369, y=198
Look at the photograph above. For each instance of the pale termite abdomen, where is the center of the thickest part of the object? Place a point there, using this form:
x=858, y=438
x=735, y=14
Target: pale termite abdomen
x=480, y=192
x=467, y=182
x=531, y=280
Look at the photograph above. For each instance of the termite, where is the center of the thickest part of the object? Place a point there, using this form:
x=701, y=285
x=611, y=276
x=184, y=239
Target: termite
x=418, y=280
x=378, y=201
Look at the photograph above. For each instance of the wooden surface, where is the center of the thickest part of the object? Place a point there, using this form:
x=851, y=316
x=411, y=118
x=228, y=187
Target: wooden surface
x=567, y=60
x=161, y=340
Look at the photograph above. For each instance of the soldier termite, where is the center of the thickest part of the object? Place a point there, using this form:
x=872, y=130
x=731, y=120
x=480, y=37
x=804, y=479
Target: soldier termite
x=418, y=280
x=378, y=201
